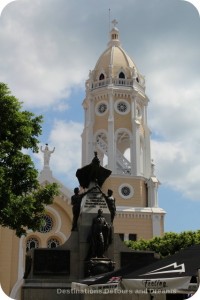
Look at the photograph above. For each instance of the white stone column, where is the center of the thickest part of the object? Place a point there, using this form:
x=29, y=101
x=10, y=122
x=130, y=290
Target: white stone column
x=133, y=139
x=156, y=219
x=147, y=147
x=111, y=137
x=136, y=143
x=21, y=258
x=147, y=153
x=152, y=185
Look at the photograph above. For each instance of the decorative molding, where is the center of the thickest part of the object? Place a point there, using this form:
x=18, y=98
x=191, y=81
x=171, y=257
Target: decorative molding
x=17, y=289
x=140, y=212
x=129, y=215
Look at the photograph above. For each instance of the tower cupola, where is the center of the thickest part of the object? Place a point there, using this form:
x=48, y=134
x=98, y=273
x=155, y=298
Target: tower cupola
x=115, y=67
x=114, y=35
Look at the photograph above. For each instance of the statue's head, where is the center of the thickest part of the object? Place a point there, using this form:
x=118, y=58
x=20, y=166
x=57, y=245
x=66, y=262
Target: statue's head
x=110, y=192
x=76, y=190
x=95, y=160
x=100, y=212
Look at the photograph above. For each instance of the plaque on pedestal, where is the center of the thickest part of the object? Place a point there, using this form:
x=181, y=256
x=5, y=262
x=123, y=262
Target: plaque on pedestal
x=93, y=201
x=51, y=262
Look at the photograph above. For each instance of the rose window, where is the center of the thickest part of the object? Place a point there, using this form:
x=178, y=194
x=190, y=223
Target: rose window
x=102, y=108
x=121, y=106
x=125, y=191
x=47, y=224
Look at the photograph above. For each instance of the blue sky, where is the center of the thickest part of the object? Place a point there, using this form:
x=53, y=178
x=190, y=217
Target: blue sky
x=49, y=46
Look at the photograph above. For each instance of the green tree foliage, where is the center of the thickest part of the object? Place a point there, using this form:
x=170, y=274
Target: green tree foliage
x=169, y=244
x=22, y=199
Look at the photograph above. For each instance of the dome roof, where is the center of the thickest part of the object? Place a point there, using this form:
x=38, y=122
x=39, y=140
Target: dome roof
x=114, y=59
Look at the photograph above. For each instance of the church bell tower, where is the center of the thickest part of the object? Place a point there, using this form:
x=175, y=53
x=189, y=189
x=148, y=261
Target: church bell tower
x=116, y=127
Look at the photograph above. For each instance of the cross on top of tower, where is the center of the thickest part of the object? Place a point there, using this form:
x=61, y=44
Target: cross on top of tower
x=114, y=22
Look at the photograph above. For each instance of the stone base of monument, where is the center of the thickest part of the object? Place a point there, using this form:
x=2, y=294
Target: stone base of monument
x=50, y=272
x=96, y=266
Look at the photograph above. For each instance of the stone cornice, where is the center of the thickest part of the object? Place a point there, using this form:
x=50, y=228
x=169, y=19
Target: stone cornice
x=139, y=212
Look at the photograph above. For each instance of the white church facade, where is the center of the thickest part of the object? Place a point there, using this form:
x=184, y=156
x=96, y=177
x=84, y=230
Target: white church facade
x=116, y=127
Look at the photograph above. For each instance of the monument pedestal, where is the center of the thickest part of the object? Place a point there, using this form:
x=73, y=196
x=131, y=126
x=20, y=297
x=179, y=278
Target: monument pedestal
x=90, y=251
x=57, y=268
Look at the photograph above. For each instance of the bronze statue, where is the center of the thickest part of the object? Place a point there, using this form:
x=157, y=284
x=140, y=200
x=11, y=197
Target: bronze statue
x=93, y=172
x=76, y=206
x=110, y=200
x=101, y=236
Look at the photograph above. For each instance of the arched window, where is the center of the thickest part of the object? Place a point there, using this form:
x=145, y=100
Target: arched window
x=114, y=36
x=123, y=150
x=53, y=243
x=32, y=243
x=121, y=75
x=101, y=77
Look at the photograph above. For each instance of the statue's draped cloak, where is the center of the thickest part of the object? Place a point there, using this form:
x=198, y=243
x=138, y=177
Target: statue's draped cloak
x=93, y=172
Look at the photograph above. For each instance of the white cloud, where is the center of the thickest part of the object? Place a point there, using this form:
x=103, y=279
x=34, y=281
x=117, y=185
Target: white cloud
x=66, y=137
x=174, y=109
x=39, y=65
x=174, y=118
x=62, y=106
x=176, y=167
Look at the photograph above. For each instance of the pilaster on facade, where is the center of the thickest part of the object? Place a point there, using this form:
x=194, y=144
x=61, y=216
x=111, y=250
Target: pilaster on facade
x=111, y=141
x=156, y=220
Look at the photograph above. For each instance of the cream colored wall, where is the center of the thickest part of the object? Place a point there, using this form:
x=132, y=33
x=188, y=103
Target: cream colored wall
x=9, y=251
x=9, y=243
x=101, y=123
x=139, y=198
x=140, y=225
x=123, y=121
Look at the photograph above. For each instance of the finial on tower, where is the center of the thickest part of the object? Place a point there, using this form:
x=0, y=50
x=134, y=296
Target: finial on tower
x=114, y=22
x=114, y=35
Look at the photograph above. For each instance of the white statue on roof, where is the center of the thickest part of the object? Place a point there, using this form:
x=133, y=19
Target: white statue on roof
x=47, y=154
